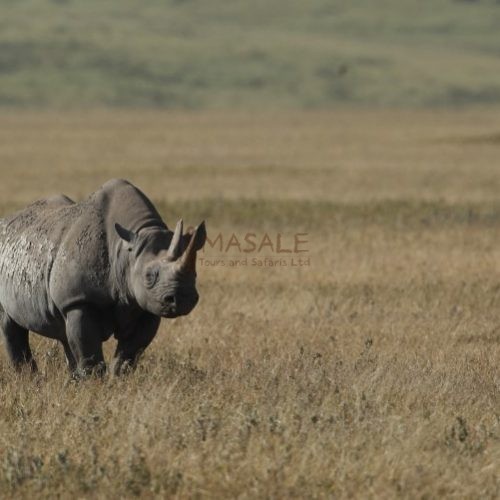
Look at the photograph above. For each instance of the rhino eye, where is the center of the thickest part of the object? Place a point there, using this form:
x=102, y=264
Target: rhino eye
x=151, y=277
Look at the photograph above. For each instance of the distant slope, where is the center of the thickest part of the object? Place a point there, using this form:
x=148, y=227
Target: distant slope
x=240, y=53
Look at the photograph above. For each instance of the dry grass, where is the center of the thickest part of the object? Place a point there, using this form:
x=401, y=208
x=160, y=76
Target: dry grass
x=372, y=373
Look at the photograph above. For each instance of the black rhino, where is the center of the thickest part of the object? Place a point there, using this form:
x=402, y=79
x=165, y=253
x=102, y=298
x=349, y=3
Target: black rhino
x=81, y=272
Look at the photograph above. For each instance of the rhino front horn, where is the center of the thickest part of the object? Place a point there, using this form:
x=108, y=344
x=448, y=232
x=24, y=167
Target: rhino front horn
x=175, y=250
x=197, y=241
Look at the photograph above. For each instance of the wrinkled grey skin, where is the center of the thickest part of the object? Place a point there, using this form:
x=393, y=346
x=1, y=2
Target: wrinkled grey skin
x=81, y=272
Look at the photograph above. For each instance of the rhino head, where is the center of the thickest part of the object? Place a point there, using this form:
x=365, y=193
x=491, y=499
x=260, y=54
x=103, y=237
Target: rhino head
x=162, y=264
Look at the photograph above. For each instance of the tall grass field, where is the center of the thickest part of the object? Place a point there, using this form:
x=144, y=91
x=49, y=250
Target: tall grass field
x=369, y=370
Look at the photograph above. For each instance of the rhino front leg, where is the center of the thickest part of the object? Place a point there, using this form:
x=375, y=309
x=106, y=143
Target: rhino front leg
x=131, y=344
x=17, y=343
x=84, y=327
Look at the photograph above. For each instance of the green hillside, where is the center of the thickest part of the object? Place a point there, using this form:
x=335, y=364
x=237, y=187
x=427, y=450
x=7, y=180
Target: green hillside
x=241, y=53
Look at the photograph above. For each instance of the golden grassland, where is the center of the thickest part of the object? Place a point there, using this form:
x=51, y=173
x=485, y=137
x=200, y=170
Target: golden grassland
x=372, y=372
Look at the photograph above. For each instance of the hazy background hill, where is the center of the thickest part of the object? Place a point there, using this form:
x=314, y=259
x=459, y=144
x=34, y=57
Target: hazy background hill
x=240, y=53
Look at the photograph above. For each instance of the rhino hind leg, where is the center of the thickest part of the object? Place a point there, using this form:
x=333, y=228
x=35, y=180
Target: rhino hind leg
x=17, y=343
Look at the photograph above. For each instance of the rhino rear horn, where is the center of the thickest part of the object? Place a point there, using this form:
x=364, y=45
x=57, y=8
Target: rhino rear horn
x=197, y=241
x=175, y=250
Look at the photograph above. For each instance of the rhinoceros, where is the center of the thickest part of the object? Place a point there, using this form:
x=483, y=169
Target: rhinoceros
x=81, y=272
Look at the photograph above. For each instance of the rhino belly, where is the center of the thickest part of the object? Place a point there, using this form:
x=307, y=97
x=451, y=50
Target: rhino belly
x=35, y=317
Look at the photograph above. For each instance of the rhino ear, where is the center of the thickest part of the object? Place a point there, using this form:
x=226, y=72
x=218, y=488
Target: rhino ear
x=200, y=236
x=125, y=234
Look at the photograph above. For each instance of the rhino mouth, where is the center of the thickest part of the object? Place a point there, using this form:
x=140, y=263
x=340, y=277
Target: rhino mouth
x=176, y=309
x=175, y=314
